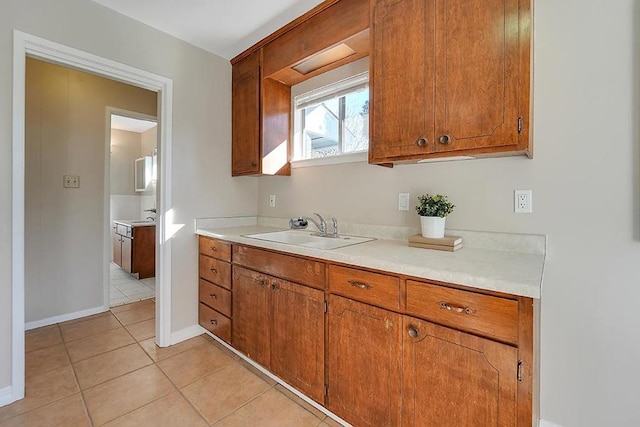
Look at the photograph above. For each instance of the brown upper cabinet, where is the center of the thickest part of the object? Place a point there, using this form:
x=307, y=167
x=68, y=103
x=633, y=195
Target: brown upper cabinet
x=449, y=78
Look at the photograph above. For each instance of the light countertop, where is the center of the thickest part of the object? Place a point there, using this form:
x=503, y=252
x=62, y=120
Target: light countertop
x=135, y=222
x=507, y=271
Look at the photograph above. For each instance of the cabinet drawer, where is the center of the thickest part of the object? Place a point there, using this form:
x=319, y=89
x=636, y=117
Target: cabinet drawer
x=374, y=288
x=300, y=270
x=215, y=297
x=485, y=315
x=216, y=323
x=215, y=271
x=215, y=248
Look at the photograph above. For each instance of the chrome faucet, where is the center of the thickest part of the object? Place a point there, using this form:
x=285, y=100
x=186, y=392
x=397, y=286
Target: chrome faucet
x=322, y=225
x=151, y=218
x=335, y=226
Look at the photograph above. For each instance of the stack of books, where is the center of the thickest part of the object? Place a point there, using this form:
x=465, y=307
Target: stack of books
x=446, y=243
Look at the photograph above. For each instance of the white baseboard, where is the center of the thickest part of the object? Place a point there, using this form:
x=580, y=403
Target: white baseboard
x=64, y=317
x=186, y=333
x=6, y=396
x=545, y=423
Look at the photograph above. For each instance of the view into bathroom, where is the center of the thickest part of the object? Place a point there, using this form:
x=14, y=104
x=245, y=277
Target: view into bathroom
x=133, y=166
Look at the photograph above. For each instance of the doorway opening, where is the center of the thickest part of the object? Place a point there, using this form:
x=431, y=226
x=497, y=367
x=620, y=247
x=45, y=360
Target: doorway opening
x=133, y=160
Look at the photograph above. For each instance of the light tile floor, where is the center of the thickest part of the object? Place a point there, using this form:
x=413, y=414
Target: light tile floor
x=126, y=289
x=106, y=370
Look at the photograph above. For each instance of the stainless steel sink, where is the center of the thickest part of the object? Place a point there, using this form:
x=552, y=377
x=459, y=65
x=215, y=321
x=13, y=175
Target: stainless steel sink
x=308, y=239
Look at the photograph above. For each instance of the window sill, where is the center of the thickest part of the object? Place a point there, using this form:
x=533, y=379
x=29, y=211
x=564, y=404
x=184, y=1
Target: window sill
x=333, y=160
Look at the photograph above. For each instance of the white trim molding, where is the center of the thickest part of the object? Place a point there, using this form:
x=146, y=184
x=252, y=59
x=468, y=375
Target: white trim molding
x=63, y=318
x=545, y=423
x=29, y=45
x=6, y=396
x=186, y=333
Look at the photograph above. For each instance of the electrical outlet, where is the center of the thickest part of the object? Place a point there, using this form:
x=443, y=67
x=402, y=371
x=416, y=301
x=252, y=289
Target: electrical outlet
x=272, y=201
x=71, y=181
x=403, y=201
x=522, y=201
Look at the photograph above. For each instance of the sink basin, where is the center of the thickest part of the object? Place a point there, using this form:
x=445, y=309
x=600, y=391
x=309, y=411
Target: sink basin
x=308, y=240
x=141, y=221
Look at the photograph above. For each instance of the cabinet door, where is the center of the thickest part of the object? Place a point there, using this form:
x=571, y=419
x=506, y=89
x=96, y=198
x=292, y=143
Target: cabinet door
x=245, y=120
x=402, y=79
x=364, y=363
x=477, y=60
x=251, y=307
x=117, y=249
x=455, y=379
x=297, y=337
x=127, y=252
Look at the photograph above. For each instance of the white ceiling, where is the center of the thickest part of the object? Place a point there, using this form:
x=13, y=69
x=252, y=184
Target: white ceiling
x=223, y=27
x=131, y=125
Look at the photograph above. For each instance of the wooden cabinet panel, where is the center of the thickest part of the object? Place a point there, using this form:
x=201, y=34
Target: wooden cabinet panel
x=143, y=255
x=215, y=248
x=215, y=297
x=214, y=322
x=245, y=119
x=477, y=73
x=374, y=288
x=402, y=79
x=251, y=326
x=364, y=363
x=296, y=269
x=481, y=314
x=454, y=379
x=215, y=271
x=297, y=337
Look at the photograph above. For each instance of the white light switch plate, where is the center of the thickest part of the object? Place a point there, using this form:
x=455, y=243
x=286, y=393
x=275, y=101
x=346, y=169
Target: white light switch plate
x=403, y=201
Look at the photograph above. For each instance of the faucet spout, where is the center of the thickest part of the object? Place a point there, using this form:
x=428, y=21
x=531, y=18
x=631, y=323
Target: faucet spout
x=321, y=226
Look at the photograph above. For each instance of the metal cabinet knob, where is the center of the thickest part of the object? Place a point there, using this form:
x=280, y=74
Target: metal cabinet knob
x=213, y=296
x=421, y=142
x=444, y=139
x=413, y=332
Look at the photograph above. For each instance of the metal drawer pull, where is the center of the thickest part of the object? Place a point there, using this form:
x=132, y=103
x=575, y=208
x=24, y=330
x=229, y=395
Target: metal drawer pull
x=413, y=332
x=214, y=271
x=213, y=296
x=213, y=322
x=214, y=249
x=456, y=309
x=261, y=282
x=359, y=285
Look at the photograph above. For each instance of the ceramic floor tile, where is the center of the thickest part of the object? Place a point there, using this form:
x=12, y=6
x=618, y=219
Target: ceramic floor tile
x=224, y=391
x=41, y=390
x=45, y=359
x=194, y=364
x=144, y=294
x=89, y=327
x=298, y=401
x=161, y=353
x=48, y=336
x=131, y=306
x=104, y=367
x=84, y=319
x=143, y=330
x=130, y=287
x=330, y=422
x=98, y=344
x=124, y=394
x=138, y=314
x=118, y=302
x=170, y=411
x=67, y=412
x=271, y=409
x=115, y=293
x=257, y=372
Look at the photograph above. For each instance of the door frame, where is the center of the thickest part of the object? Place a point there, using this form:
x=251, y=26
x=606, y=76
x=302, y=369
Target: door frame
x=29, y=45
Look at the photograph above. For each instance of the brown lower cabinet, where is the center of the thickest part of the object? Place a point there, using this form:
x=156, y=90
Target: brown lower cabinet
x=280, y=325
x=375, y=348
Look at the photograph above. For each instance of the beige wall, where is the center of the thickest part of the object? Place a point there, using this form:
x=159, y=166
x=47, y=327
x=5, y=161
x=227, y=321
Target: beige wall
x=585, y=179
x=126, y=147
x=64, y=228
x=201, y=184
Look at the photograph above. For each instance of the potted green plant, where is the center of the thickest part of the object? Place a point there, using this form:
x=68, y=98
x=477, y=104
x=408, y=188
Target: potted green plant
x=433, y=210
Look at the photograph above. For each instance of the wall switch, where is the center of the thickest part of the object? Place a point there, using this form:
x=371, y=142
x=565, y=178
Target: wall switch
x=272, y=201
x=522, y=201
x=403, y=201
x=71, y=181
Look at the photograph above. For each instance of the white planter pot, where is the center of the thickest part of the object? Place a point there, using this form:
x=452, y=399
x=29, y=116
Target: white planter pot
x=432, y=226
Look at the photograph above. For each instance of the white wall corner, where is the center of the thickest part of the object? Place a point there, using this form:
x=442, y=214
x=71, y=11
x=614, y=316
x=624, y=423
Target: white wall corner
x=64, y=317
x=6, y=396
x=186, y=333
x=545, y=423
